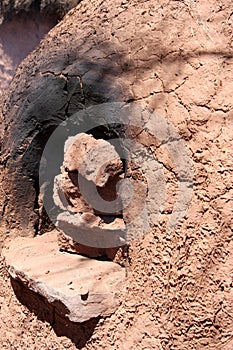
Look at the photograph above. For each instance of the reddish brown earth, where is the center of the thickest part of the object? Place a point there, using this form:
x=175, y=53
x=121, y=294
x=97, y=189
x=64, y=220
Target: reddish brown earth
x=179, y=59
x=19, y=35
x=22, y=26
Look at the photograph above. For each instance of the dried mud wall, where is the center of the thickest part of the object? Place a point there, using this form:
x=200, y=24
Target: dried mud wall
x=175, y=58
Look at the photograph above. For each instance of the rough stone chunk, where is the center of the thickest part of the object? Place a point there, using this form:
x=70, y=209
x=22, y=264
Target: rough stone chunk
x=67, y=244
x=86, y=288
x=67, y=195
x=95, y=160
x=95, y=234
x=97, y=165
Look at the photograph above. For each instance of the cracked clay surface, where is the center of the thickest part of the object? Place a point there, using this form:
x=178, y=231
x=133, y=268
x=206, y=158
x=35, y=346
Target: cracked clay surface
x=174, y=57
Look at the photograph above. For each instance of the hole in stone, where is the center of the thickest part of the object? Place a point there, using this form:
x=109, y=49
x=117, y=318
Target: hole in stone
x=84, y=296
x=108, y=219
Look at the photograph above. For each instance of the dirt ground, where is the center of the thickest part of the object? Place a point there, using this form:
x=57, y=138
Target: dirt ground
x=18, y=37
x=179, y=289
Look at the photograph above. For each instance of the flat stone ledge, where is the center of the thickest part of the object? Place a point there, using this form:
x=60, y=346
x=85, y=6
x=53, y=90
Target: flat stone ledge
x=87, y=288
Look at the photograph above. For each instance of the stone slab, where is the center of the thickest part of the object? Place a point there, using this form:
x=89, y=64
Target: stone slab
x=87, y=288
